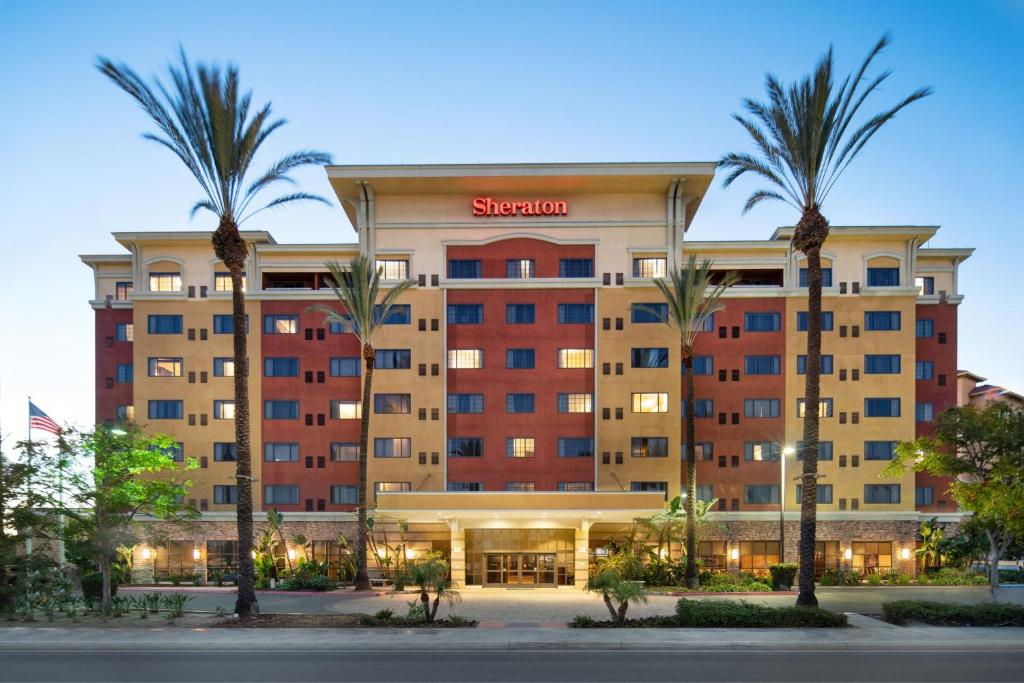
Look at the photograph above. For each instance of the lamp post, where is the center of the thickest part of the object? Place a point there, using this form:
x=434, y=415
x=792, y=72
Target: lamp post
x=788, y=450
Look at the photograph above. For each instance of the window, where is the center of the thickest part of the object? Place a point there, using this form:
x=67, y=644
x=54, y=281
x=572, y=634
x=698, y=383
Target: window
x=705, y=493
x=464, y=268
x=346, y=410
x=125, y=332
x=393, y=359
x=225, y=324
x=344, y=452
x=576, y=267
x=763, y=365
x=465, y=403
x=649, y=358
x=520, y=486
x=519, y=403
x=882, y=321
x=392, y=487
x=465, y=447
x=125, y=373
x=164, y=324
x=824, y=450
x=823, y=493
x=651, y=402
x=398, y=314
x=650, y=266
x=341, y=327
x=702, y=407
x=519, y=447
x=125, y=413
x=826, y=277
x=166, y=410
x=924, y=495
x=223, y=367
x=758, y=451
x=123, y=290
x=465, y=486
x=703, y=450
x=883, y=277
x=575, y=447
x=280, y=367
x=225, y=452
x=519, y=314
x=281, y=410
x=280, y=324
x=225, y=495
x=826, y=364
x=520, y=268
x=925, y=328
x=648, y=486
x=223, y=410
x=761, y=407
x=575, y=358
x=392, y=404
x=887, y=364
x=280, y=452
x=575, y=403
x=761, y=322
x=344, y=495
x=879, y=450
x=348, y=366
x=392, y=447
x=824, y=407
x=881, y=407
x=575, y=313
x=881, y=494
x=925, y=369
x=465, y=359
x=165, y=367
x=165, y=282
x=222, y=282
x=465, y=314
x=649, y=447
x=924, y=412
x=393, y=269
x=703, y=365
x=827, y=321
x=519, y=359
x=761, y=494
x=648, y=313
x=281, y=494
x=575, y=486
x=925, y=285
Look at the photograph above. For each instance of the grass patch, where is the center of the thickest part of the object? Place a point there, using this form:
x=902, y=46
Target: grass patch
x=941, y=614
x=727, y=614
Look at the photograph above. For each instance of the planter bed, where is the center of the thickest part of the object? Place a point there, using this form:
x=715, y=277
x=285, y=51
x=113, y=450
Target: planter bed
x=942, y=614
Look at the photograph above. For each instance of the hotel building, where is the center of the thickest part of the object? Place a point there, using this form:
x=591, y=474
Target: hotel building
x=527, y=402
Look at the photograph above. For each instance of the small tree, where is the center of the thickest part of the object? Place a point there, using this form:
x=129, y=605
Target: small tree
x=932, y=538
x=430, y=573
x=113, y=476
x=616, y=580
x=983, y=452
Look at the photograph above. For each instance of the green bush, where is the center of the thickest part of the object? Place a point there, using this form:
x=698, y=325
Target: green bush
x=92, y=587
x=947, y=576
x=941, y=614
x=1011, y=576
x=742, y=614
x=783, y=575
x=735, y=583
x=840, y=577
x=874, y=579
x=581, y=621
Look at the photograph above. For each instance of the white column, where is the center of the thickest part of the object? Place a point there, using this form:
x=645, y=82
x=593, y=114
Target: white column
x=581, y=566
x=458, y=556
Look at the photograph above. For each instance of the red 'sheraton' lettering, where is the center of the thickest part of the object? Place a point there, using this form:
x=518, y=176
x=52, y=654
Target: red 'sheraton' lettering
x=486, y=206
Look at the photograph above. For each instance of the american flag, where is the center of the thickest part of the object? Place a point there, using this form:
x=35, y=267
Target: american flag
x=40, y=420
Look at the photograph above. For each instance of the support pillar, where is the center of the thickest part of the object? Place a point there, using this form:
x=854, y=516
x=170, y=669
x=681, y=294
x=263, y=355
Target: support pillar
x=458, y=553
x=581, y=565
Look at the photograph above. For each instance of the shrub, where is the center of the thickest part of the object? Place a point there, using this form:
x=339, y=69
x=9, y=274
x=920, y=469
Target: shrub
x=384, y=615
x=941, y=614
x=874, y=579
x=736, y=583
x=92, y=587
x=922, y=579
x=947, y=576
x=840, y=577
x=1011, y=576
x=783, y=575
x=742, y=614
x=581, y=621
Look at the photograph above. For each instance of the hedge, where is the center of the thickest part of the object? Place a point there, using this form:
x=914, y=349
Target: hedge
x=727, y=614
x=942, y=614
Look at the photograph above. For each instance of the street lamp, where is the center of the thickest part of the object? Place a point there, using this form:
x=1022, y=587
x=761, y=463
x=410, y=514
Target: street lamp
x=788, y=450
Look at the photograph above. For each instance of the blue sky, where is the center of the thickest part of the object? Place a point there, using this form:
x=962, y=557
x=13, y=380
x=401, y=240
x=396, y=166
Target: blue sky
x=488, y=82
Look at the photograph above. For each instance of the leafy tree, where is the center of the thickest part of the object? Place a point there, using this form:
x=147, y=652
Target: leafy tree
x=430, y=573
x=805, y=136
x=210, y=124
x=366, y=307
x=20, y=503
x=982, y=451
x=693, y=297
x=113, y=476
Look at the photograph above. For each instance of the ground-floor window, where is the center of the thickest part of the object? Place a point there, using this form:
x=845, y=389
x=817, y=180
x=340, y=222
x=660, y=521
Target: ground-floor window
x=222, y=556
x=872, y=557
x=339, y=564
x=756, y=556
x=173, y=559
x=826, y=556
x=713, y=556
x=520, y=557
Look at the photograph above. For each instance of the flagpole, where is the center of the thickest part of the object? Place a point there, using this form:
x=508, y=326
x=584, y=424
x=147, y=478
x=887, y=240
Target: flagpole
x=28, y=540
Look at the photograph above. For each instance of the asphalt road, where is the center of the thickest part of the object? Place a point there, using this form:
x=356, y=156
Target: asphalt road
x=563, y=666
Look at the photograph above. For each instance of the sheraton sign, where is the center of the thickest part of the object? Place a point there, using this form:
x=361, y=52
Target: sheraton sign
x=487, y=206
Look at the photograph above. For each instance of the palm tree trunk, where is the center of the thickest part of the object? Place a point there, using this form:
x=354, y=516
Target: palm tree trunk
x=362, y=576
x=691, y=476
x=810, y=235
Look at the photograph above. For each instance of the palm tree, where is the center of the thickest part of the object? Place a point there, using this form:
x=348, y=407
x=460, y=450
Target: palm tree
x=806, y=137
x=357, y=288
x=692, y=297
x=208, y=123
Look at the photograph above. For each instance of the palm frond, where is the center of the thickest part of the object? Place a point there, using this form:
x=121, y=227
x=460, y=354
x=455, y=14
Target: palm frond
x=693, y=297
x=357, y=288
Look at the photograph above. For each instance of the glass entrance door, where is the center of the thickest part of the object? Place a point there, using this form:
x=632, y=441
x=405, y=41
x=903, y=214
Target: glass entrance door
x=521, y=569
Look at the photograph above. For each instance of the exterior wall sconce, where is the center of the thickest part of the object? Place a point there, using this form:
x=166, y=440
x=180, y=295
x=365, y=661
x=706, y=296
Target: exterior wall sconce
x=197, y=554
x=146, y=553
x=734, y=554
x=291, y=553
x=848, y=554
x=410, y=553
x=905, y=554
